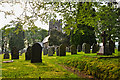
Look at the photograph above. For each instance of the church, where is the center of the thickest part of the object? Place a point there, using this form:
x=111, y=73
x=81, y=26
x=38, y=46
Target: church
x=53, y=24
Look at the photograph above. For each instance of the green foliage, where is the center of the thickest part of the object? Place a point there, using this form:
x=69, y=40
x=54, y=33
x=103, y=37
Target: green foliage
x=80, y=38
x=17, y=38
x=100, y=68
x=57, y=38
x=35, y=34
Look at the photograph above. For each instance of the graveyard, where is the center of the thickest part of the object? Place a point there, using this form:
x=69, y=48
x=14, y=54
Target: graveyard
x=60, y=40
x=90, y=65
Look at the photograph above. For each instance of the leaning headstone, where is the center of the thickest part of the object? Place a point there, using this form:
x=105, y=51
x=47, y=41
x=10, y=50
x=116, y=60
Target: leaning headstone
x=50, y=51
x=36, y=55
x=112, y=46
x=119, y=46
x=79, y=48
x=73, y=49
x=86, y=48
x=62, y=50
x=6, y=55
x=94, y=48
x=57, y=51
x=45, y=51
x=28, y=53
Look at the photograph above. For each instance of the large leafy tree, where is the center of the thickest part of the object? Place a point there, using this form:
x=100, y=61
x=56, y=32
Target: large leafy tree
x=35, y=34
x=107, y=15
x=57, y=38
x=73, y=13
x=87, y=37
x=16, y=41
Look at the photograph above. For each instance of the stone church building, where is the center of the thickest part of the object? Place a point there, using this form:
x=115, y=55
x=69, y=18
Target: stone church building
x=52, y=25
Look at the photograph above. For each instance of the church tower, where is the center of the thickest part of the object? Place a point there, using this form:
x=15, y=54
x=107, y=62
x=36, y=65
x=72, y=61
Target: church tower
x=57, y=24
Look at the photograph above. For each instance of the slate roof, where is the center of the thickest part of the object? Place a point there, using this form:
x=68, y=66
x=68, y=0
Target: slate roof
x=45, y=39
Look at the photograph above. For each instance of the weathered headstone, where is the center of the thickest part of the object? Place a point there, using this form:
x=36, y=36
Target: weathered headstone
x=79, y=47
x=50, y=51
x=86, y=48
x=101, y=51
x=57, y=51
x=36, y=53
x=6, y=55
x=53, y=48
x=14, y=53
x=67, y=49
x=62, y=50
x=73, y=49
x=111, y=46
x=107, y=51
x=28, y=53
x=95, y=48
x=45, y=51
x=119, y=46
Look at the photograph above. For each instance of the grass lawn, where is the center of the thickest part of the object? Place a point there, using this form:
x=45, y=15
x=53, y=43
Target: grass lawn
x=24, y=69
x=50, y=67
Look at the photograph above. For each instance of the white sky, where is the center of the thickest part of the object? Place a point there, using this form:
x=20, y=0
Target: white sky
x=18, y=10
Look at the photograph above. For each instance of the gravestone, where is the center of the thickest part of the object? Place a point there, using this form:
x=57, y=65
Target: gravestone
x=107, y=51
x=21, y=52
x=36, y=55
x=45, y=51
x=53, y=49
x=95, y=48
x=79, y=47
x=6, y=55
x=73, y=49
x=62, y=50
x=14, y=53
x=57, y=51
x=101, y=51
x=28, y=53
x=86, y=48
x=67, y=49
x=50, y=51
x=111, y=46
x=119, y=46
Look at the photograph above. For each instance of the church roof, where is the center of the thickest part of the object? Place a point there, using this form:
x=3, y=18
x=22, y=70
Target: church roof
x=46, y=39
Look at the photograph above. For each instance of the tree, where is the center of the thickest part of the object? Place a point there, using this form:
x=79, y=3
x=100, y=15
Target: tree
x=35, y=34
x=16, y=41
x=87, y=37
x=107, y=15
x=57, y=38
